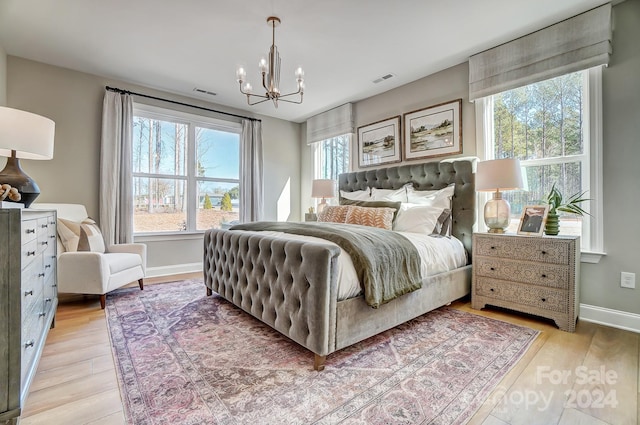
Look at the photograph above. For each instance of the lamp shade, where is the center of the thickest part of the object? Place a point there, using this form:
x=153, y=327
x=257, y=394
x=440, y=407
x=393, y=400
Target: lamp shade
x=30, y=135
x=323, y=188
x=499, y=174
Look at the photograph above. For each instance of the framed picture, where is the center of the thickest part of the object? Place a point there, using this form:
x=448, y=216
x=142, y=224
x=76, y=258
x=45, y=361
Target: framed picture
x=433, y=131
x=533, y=219
x=379, y=142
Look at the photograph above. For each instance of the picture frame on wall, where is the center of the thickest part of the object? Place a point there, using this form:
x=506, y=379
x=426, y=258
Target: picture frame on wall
x=379, y=142
x=533, y=219
x=433, y=131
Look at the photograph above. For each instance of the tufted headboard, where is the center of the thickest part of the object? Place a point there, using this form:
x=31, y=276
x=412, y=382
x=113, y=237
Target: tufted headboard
x=427, y=176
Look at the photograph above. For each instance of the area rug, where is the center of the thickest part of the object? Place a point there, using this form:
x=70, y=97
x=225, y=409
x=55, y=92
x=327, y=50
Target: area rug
x=185, y=358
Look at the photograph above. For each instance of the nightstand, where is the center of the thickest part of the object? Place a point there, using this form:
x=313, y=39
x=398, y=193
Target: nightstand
x=538, y=275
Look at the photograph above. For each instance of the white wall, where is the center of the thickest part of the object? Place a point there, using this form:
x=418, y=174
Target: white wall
x=74, y=101
x=3, y=76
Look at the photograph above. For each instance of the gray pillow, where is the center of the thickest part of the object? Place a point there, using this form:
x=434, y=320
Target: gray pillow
x=373, y=204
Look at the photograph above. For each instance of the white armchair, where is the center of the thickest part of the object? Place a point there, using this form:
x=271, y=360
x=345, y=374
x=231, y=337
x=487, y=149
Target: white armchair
x=84, y=272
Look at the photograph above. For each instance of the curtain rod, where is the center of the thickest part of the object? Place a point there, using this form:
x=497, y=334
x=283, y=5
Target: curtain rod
x=121, y=91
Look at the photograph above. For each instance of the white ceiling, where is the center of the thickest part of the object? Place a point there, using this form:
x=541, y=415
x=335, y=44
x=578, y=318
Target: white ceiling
x=343, y=45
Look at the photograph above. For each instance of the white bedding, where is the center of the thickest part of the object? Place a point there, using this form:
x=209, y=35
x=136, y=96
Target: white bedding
x=437, y=255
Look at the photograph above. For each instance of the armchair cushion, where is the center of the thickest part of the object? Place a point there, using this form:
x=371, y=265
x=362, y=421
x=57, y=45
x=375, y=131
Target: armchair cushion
x=83, y=236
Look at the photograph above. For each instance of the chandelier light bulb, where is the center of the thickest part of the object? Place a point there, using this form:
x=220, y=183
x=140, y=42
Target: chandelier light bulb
x=301, y=86
x=241, y=75
x=299, y=73
x=248, y=88
x=263, y=65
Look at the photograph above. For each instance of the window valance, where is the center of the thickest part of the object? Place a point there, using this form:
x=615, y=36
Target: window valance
x=332, y=123
x=574, y=44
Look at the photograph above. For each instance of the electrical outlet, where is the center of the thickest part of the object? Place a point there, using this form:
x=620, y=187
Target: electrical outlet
x=628, y=280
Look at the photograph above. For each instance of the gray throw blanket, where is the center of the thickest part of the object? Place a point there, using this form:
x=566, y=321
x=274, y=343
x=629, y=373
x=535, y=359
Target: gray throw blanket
x=387, y=264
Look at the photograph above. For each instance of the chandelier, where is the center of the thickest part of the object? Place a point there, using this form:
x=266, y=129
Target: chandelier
x=270, y=75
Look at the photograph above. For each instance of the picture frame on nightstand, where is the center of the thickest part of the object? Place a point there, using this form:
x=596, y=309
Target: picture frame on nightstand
x=533, y=219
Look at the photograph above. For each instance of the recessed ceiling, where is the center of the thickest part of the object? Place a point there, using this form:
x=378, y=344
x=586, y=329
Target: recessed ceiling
x=343, y=45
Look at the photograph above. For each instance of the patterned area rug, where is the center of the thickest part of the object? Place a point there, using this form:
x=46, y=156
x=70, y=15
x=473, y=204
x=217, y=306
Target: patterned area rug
x=184, y=358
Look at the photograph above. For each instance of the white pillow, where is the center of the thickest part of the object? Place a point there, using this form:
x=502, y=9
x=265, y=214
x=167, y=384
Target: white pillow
x=357, y=195
x=436, y=198
x=393, y=195
x=424, y=219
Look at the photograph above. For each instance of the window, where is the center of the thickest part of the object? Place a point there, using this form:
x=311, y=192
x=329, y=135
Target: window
x=186, y=171
x=552, y=128
x=332, y=157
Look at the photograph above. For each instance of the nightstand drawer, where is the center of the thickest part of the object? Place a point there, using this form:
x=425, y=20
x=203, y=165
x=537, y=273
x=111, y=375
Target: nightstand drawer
x=522, y=248
x=506, y=293
x=550, y=275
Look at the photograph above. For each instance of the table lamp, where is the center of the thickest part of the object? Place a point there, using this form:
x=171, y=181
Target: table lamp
x=23, y=135
x=323, y=188
x=494, y=176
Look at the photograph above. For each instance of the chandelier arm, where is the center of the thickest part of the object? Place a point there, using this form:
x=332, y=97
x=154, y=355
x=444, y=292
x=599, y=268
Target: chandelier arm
x=255, y=103
x=291, y=101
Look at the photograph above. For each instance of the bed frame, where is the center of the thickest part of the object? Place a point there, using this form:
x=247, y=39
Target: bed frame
x=291, y=285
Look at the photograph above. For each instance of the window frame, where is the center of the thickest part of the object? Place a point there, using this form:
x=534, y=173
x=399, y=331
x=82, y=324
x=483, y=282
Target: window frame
x=318, y=158
x=592, y=247
x=191, y=121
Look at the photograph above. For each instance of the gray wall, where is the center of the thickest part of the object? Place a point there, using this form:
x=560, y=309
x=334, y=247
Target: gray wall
x=74, y=101
x=621, y=104
x=3, y=76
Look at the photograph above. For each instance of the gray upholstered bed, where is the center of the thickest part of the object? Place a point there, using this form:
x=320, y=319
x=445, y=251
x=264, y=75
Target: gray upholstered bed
x=291, y=285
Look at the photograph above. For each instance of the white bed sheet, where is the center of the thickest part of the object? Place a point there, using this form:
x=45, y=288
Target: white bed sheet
x=437, y=255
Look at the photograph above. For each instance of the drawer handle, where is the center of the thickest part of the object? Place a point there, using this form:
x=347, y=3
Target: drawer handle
x=42, y=314
x=55, y=285
x=493, y=247
x=40, y=274
x=29, y=344
x=47, y=300
x=491, y=289
x=47, y=266
x=544, y=275
x=44, y=226
x=30, y=253
x=544, y=299
x=31, y=231
x=492, y=268
x=27, y=293
x=544, y=252
x=45, y=243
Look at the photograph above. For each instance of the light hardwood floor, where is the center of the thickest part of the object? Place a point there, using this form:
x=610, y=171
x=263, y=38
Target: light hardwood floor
x=587, y=377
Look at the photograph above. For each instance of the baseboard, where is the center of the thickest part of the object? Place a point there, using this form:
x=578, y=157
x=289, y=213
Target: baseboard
x=173, y=269
x=614, y=318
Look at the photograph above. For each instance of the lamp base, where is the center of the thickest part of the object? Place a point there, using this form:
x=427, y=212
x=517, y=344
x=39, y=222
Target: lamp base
x=13, y=175
x=497, y=213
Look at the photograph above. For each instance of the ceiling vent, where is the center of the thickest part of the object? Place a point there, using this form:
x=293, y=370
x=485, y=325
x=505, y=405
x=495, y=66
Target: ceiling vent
x=210, y=93
x=384, y=77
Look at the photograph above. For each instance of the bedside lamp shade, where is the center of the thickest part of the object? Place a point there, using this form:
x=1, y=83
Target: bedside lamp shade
x=323, y=188
x=495, y=176
x=24, y=135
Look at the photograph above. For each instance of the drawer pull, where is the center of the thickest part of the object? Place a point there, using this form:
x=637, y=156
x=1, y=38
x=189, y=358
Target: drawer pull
x=492, y=268
x=30, y=253
x=47, y=266
x=27, y=293
x=44, y=226
x=544, y=299
x=544, y=252
x=544, y=275
x=45, y=243
x=30, y=231
x=42, y=314
x=40, y=274
x=492, y=290
x=47, y=300
x=52, y=236
x=493, y=247
x=29, y=344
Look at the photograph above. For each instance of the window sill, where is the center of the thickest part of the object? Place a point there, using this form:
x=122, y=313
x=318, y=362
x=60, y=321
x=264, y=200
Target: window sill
x=591, y=257
x=167, y=236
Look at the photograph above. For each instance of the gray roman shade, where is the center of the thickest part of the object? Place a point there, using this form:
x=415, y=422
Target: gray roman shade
x=332, y=123
x=574, y=44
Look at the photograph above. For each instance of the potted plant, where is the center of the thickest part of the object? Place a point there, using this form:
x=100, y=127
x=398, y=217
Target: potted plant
x=556, y=203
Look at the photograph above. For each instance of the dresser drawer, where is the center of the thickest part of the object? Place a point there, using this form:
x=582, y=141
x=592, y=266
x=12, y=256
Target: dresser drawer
x=32, y=286
x=29, y=230
x=32, y=327
x=29, y=252
x=522, y=248
x=551, y=275
x=534, y=296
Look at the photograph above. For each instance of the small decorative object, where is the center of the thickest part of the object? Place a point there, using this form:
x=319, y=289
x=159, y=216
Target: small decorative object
x=556, y=203
x=323, y=188
x=433, y=131
x=533, y=219
x=11, y=192
x=379, y=142
x=496, y=175
x=311, y=210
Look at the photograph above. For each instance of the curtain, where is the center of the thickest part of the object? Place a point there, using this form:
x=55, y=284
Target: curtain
x=116, y=186
x=332, y=123
x=251, y=188
x=575, y=44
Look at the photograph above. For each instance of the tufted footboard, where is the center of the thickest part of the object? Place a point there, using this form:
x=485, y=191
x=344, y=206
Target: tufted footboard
x=290, y=285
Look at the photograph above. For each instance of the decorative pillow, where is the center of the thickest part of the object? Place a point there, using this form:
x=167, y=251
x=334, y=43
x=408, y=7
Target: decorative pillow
x=443, y=225
x=333, y=214
x=357, y=195
x=375, y=204
x=373, y=217
x=436, y=198
x=421, y=219
x=84, y=236
x=394, y=195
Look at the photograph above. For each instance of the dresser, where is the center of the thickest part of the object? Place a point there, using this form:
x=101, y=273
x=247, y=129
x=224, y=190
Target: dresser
x=28, y=301
x=535, y=275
